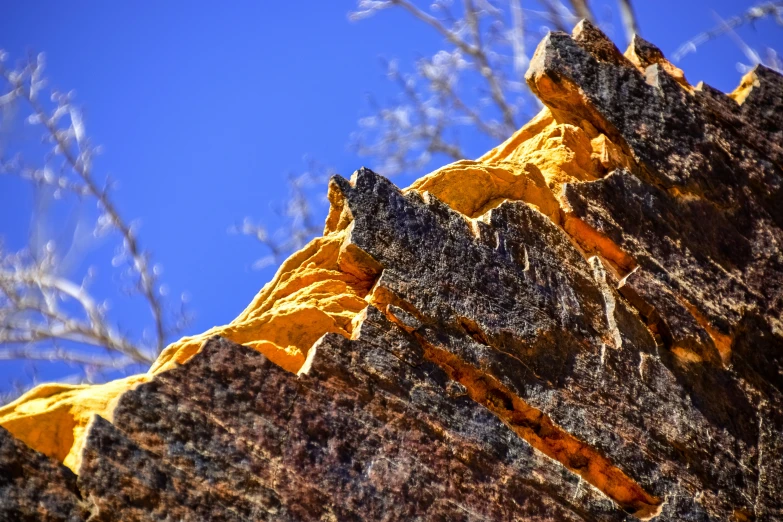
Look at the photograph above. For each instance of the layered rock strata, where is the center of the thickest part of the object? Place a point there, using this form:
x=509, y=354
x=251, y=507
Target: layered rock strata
x=582, y=324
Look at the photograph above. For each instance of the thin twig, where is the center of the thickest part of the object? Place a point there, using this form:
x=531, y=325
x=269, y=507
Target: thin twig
x=582, y=10
x=60, y=326
x=81, y=165
x=765, y=10
x=555, y=15
x=630, y=23
x=518, y=37
x=473, y=50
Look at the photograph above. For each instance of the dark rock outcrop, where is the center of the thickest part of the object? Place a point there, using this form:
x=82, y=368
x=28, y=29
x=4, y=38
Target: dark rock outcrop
x=34, y=487
x=620, y=360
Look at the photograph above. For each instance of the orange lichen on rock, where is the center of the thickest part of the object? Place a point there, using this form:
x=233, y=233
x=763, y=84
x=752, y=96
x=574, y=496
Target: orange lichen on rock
x=748, y=82
x=721, y=341
x=542, y=433
x=591, y=241
x=318, y=290
x=472, y=187
x=314, y=292
x=565, y=149
x=52, y=418
x=531, y=166
x=324, y=287
x=642, y=55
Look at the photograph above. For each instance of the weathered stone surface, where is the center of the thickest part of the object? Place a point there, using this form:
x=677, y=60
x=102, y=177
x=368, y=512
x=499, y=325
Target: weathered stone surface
x=52, y=418
x=35, y=488
x=583, y=324
x=373, y=431
x=513, y=309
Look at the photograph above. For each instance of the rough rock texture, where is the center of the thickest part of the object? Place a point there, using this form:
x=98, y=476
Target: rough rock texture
x=583, y=324
x=52, y=418
x=367, y=433
x=34, y=487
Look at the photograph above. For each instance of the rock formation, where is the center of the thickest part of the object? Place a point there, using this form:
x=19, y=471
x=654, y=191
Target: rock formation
x=583, y=324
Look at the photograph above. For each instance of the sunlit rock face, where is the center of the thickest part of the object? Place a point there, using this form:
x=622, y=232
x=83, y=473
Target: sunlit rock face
x=582, y=324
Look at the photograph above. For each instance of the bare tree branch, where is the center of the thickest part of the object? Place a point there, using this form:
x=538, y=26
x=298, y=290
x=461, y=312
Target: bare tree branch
x=766, y=10
x=630, y=23
x=418, y=124
x=39, y=304
x=19, y=286
x=301, y=221
x=484, y=68
x=582, y=10
x=486, y=40
x=63, y=355
x=472, y=86
x=75, y=148
x=517, y=35
x=555, y=15
x=474, y=50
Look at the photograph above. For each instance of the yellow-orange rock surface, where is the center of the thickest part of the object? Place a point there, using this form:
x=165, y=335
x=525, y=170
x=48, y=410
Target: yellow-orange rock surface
x=323, y=288
x=583, y=323
x=319, y=290
x=52, y=418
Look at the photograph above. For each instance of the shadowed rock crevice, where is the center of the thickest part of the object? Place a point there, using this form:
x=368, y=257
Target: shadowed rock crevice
x=541, y=433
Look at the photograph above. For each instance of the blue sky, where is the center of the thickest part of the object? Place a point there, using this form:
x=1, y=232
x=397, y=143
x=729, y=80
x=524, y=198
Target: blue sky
x=204, y=107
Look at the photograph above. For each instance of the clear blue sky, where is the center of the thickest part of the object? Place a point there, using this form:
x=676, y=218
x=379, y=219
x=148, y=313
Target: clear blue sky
x=203, y=107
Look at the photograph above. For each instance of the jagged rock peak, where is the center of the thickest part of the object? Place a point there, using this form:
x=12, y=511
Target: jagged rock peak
x=582, y=324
